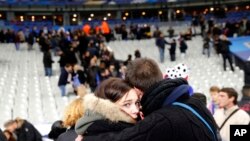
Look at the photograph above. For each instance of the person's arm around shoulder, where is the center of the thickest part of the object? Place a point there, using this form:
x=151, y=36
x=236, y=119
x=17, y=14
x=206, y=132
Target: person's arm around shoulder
x=153, y=127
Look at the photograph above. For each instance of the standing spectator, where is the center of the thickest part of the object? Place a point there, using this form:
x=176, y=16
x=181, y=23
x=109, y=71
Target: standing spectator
x=183, y=46
x=160, y=43
x=244, y=103
x=17, y=40
x=214, y=93
x=47, y=62
x=64, y=77
x=172, y=49
x=30, y=40
x=206, y=44
x=229, y=114
x=26, y=131
x=223, y=48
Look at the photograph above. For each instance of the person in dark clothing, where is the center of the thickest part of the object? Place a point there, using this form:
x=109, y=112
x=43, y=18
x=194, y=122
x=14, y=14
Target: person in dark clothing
x=56, y=130
x=26, y=131
x=63, y=79
x=30, y=40
x=244, y=103
x=202, y=97
x=162, y=101
x=223, y=48
x=47, y=62
x=2, y=136
x=172, y=49
x=160, y=43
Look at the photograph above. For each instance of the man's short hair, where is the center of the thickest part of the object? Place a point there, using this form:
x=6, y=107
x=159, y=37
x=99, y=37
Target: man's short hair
x=143, y=73
x=231, y=92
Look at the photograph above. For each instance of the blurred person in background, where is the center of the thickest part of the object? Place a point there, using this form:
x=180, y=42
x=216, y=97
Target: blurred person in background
x=214, y=93
x=2, y=136
x=64, y=78
x=57, y=129
x=244, y=103
x=9, y=136
x=11, y=126
x=73, y=112
x=25, y=131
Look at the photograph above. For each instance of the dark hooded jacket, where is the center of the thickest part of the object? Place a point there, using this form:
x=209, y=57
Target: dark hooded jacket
x=166, y=123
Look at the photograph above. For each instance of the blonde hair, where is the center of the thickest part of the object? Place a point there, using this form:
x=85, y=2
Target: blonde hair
x=73, y=112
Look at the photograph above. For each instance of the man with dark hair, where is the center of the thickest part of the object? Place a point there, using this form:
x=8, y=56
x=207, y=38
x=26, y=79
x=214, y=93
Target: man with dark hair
x=244, y=103
x=166, y=105
x=229, y=113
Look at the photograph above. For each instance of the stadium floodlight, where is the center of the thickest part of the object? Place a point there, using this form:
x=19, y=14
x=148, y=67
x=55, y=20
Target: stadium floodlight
x=92, y=15
x=109, y=14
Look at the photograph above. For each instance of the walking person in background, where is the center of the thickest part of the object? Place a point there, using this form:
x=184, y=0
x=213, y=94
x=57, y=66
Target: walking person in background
x=229, y=114
x=47, y=62
x=183, y=46
x=160, y=43
x=223, y=48
x=64, y=78
x=172, y=49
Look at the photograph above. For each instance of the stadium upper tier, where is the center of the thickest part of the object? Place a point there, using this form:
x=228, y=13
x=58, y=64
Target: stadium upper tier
x=77, y=2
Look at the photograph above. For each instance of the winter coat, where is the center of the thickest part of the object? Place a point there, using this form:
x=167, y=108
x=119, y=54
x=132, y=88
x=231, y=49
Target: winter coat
x=69, y=135
x=101, y=116
x=165, y=123
x=63, y=79
x=27, y=132
x=223, y=46
x=47, y=59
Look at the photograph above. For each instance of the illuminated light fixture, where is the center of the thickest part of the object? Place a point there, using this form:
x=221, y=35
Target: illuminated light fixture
x=225, y=9
x=178, y=11
x=204, y=12
x=211, y=9
x=74, y=15
x=105, y=18
x=109, y=14
x=143, y=13
x=236, y=8
x=124, y=18
x=160, y=12
x=44, y=17
x=247, y=7
x=21, y=17
x=0, y=15
x=33, y=19
x=73, y=19
x=92, y=15
x=54, y=17
x=21, y=20
x=89, y=19
x=126, y=14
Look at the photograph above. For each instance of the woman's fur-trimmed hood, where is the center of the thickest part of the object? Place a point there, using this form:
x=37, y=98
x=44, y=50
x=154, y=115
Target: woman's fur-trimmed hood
x=106, y=108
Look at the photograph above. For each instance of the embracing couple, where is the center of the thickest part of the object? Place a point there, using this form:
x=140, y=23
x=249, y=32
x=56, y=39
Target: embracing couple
x=113, y=113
